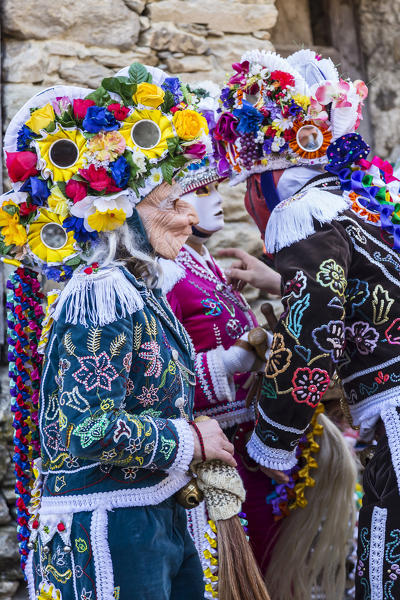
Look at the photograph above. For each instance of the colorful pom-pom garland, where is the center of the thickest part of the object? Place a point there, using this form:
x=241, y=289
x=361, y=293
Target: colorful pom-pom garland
x=24, y=318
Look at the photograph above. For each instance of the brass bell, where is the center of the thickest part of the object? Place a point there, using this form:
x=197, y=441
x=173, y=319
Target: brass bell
x=190, y=495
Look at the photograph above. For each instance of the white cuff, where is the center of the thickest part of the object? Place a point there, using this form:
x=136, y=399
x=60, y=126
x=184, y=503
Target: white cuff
x=185, y=452
x=272, y=458
x=224, y=387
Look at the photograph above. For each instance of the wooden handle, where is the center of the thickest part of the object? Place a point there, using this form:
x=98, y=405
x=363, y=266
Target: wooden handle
x=268, y=312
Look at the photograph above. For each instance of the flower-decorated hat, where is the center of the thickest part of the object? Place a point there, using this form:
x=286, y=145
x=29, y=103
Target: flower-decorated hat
x=278, y=113
x=80, y=160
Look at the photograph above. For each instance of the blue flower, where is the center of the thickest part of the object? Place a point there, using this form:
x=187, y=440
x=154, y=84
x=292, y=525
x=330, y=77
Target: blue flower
x=227, y=102
x=81, y=234
x=120, y=171
x=25, y=135
x=58, y=273
x=98, y=118
x=294, y=109
x=37, y=189
x=267, y=145
x=249, y=118
x=173, y=85
x=345, y=151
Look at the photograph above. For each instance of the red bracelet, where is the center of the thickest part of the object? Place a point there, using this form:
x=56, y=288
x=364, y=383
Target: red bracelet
x=200, y=437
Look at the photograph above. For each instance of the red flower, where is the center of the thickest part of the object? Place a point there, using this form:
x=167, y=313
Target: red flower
x=26, y=209
x=80, y=107
x=120, y=112
x=288, y=135
x=99, y=180
x=285, y=79
x=76, y=190
x=21, y=165
x=309, y=385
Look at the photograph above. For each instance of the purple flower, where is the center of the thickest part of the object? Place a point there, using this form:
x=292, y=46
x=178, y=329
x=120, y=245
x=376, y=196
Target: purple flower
x=61, y=105
x=267, y=145
x=195, y=151
x=273, y=108
x=173, y=85
x=227, y=102
x=294, y=109
x=241, y=71
x=330, y=338
x=362, y=336
x=58, y=273
x=225, y=128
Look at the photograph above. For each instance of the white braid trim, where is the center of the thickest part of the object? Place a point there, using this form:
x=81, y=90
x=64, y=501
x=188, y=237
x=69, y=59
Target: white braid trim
x=273, y=458
x=377, y=552
x=30, y=577
x=94, y=298
x=293, y=219
x=102, y=555
x=391, y=419
x=185, y=452
x=172, y=272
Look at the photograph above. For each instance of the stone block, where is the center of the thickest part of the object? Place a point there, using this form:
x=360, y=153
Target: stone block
x=25, y=62
x=108, y=24
x=233, y=205
x=234, y=17
x=166, y=36
x=189, y=64
x=136, y=5
x=4, y=512
x=86, y=73
x=230, y=48
x=237, y=235
x=8, y=589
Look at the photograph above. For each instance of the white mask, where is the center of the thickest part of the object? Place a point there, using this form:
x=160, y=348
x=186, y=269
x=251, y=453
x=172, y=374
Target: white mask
x=207, y=202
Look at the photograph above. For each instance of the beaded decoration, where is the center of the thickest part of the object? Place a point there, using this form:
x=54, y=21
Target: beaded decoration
x=24, y=318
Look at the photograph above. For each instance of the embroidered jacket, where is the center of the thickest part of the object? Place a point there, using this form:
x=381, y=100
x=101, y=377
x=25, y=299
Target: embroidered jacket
x=215, y=316
x=340, y=290
x=117, y=391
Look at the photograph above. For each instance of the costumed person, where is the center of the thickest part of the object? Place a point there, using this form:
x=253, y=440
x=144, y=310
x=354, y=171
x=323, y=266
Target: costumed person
x=322, y=229
x=216, y=316
x=108, y=435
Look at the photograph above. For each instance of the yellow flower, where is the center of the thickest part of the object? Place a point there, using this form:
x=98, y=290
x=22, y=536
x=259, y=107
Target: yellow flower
x=41, y=118
x=48, y=592
x=108, y=220
x=58, y=252
x=149, y=94
x=58, y=173
x=189, y=124
x=302, y=101
x=107, y=145
x=58, y=202
x=159, y=127
x=13, y=232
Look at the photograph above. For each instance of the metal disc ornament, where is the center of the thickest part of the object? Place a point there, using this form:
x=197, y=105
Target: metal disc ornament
x=146, y=134
x=53, y=236
x=63, y=153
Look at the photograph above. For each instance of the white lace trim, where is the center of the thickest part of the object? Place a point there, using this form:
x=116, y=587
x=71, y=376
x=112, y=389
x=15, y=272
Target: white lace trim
x=373, y=405
x=273, y=458
x=117, y=498
x=224, y=387
x=197, y=526
x=102, y=555
x=185, y=452
x=30, y=576
x=377, y=552
x=391, y=419
x=278, y=425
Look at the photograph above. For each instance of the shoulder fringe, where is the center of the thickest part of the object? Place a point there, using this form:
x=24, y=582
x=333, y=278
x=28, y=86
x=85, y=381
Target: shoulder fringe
x=292, y=220
x=92, y=299
x=172, y=272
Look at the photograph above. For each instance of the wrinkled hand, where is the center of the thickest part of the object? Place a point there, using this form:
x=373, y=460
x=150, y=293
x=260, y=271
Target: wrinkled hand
x=248, y=269
x=216, y=444
x=278, y=476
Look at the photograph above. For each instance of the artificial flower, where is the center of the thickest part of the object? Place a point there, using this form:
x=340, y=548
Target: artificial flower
x=173, y=85
x=98, y=179
x=195, y=151
x=107, y=146
x=345, y=151
x=361, y=88
x=285, y=79
x=25, y=135
x=120, y=171
x=42, y=252
x=80, y=107
x=98, y=118
x=57, y=202
x=226, y=127
x=26, y=209
x=189, y=124
x=119, y=111
x=107, y=221
x=76, y=190
x=13, y=232
x=280, y=123
x=335, y=92
x=160, y=120
x=58, y=273
x=77, y=226
x=242, y=70
x=44, y=145
x=149, y=94
x=21, y=165
x=155, y=179
x=303, y=101
x=249, y=118
x=61, y=105
x=37, y=189
x=41, y=118
x=115, y=203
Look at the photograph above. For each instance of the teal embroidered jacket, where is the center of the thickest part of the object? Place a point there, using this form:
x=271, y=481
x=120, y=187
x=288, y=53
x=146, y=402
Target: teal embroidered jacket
x=117, y=391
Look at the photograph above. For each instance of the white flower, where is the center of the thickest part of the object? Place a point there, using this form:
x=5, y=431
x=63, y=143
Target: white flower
x=282, y=123
x=140, y=160
x=277, y=143
x=89, y=205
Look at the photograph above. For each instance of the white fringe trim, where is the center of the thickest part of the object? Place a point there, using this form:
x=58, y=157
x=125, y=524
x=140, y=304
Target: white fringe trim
x=273, y=458
x=93, y=298
x=293, y=219
x=171, y=274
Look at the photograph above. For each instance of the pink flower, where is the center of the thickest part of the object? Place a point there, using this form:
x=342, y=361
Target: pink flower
x=120, y=112
x=80, y=107
x=309, y=385
x=95, y=371
x=61, y=105
x=76, y=190
x=361, y=88
x=241, y=70
x=99, y=180
x=194, y=151
x=21, y=165
x=333, y=92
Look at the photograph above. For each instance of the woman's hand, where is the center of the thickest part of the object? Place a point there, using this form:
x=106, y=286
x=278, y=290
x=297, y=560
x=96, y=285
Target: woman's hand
x=248, y=269
x=216, y=444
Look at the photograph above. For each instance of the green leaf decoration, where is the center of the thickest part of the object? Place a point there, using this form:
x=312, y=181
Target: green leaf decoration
x=169, y=102
x=73, y=262
x=67, y=119
x=50, y=127
x=61, y=186
x=268, y=389
x=133, y=166
x=168, y=171
x=178, y=161
x=173, y=145
x=100, y=96
x=120, y=86
x=11, y=210
x=139, y=74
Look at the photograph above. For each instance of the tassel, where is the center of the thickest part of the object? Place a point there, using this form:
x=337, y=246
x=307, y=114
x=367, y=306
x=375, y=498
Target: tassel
x=93, y=297
x=293, y=219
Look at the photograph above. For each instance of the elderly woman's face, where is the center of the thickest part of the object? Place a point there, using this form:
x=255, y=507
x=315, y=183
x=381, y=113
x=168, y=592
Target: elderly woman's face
x=167, y=220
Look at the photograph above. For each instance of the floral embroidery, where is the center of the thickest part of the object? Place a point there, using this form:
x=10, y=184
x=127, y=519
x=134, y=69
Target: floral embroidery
x=381, y=304
x=108, y=454
x=392, y=333
x=279, y=358
x=153, y=356
x=53, y=437
x=362, y=336
x=129, y=386
x=107, y=404
x=121, y=430
x=71, y=462
x=309, y=385
x=214, y=307
x=330, y=338
x=95, y=371
x=81, y=545
x=356, y=294
x=86, y=595
x=296, y=285
x=130, y=472
x=148, y=396
x=127, y=361
x=382, y=377
x=92, y=429
x=332, y=275
x=134, y=445
x=296, y=315
x=167, y=447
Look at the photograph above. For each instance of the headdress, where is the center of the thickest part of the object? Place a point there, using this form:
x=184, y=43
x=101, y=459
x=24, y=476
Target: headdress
x=278, y=113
